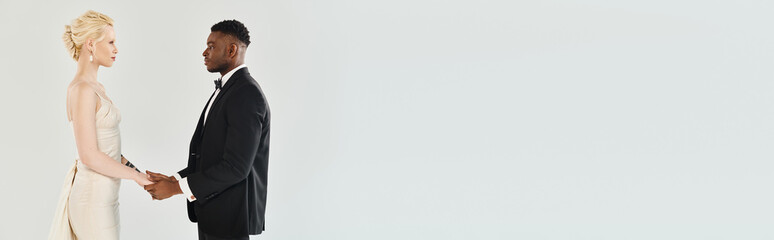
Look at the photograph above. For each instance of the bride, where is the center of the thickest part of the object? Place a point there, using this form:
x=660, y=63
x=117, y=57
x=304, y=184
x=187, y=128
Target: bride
x=88, y=205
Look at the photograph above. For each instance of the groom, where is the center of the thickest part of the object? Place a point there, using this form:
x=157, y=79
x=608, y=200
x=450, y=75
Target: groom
x=225, y=180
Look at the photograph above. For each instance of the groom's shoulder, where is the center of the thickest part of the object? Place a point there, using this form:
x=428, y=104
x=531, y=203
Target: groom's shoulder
x=249, y=87
x=245, y=74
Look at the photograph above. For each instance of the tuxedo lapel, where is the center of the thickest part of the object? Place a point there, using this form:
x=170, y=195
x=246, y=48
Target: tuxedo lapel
x=235, y=78
x=199, y=130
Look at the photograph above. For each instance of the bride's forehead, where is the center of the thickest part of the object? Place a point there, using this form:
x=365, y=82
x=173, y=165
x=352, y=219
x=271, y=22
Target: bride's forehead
x=109, y=29
x=109, y=33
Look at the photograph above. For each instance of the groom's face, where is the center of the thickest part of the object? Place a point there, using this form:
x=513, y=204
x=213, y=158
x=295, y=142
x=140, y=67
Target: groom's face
x=216, y=54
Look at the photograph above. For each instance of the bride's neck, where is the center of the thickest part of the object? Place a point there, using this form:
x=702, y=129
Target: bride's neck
x=87, y=70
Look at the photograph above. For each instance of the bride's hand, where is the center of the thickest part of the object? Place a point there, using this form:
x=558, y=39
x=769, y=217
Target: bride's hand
x=142, y=179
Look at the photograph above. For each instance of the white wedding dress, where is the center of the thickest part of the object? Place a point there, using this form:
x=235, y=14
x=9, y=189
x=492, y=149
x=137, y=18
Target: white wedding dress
x=88, y=205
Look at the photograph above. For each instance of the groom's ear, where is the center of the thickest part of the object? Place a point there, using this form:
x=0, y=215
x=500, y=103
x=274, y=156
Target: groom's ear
x=232, y=50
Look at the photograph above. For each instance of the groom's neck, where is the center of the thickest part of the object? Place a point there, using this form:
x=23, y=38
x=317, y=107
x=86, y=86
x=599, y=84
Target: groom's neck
x=231, y=66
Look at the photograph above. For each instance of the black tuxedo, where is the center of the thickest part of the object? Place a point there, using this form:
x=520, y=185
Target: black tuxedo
x=228, y=161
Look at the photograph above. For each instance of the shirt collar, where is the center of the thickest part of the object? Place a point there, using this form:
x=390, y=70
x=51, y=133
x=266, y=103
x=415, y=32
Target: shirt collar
x=229, y=73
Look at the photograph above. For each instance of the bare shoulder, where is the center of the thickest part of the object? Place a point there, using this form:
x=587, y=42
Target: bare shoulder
x=80, y=92
x=80, y=88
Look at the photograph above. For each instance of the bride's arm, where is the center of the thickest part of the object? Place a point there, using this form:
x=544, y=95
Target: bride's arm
x=129, y=164
x=83, y=102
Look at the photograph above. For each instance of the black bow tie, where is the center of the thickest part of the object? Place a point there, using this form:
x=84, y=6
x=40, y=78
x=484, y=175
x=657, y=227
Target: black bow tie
x=218, y=84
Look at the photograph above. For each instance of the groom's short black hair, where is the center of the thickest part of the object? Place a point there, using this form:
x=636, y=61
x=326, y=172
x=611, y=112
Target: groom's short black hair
x=233, y=28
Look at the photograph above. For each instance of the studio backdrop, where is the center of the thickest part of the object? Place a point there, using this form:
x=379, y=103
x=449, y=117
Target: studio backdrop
x=426, y=119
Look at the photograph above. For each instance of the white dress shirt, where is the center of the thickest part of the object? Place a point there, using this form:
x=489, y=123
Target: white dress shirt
x=182, y=181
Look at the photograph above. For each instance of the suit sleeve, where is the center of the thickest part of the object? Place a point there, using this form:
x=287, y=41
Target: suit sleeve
x=187, y=170
x=245, y=111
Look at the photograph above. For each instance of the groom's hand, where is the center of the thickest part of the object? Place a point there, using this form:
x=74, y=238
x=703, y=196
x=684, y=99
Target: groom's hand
x=163, y=186
x=155, y=177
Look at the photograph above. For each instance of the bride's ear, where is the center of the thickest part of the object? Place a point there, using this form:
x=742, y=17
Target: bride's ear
x=90, y=45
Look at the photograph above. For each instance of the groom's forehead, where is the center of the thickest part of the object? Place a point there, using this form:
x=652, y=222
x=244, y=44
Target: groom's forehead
x=217, y=37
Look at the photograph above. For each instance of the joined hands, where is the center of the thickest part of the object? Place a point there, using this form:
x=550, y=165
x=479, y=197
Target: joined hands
x=163, y=186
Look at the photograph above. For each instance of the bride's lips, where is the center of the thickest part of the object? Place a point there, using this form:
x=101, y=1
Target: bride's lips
x=114, y=58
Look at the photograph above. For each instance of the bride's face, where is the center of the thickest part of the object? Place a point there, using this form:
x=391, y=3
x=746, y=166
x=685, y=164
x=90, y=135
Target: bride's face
x=105, y=51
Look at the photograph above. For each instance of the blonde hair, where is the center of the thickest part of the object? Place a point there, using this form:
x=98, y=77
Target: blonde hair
x=90, y=25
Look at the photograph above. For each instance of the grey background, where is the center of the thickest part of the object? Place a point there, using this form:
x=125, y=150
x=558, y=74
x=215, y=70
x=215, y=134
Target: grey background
x=427, y=119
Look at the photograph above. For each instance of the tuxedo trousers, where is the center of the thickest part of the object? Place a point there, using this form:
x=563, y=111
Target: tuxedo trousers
x=204, y=236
